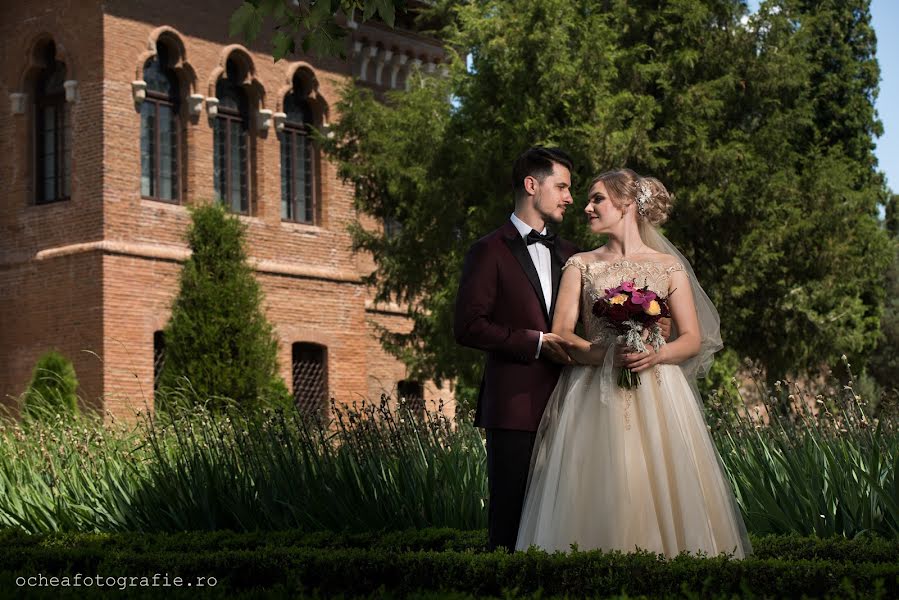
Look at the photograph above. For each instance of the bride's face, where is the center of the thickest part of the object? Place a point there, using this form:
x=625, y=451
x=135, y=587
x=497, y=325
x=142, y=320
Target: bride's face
x=602, y=215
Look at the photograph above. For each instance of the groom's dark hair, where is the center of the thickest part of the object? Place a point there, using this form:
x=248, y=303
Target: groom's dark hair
x=537, y=162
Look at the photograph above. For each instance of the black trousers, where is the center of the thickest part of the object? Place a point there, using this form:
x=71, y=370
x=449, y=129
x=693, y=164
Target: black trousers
x=508, y=461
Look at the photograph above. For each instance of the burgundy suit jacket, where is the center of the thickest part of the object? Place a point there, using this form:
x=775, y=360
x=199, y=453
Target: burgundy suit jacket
x=500, y=309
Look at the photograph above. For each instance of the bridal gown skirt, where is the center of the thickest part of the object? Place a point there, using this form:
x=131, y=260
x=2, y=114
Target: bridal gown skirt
x=637, y=471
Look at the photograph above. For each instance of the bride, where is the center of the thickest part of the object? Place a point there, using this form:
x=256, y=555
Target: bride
x=616, y=468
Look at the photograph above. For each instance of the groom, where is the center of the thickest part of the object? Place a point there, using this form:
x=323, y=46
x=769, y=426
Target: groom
x=504, y=307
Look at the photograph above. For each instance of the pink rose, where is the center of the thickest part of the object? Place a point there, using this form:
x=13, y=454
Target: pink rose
x=627, y=286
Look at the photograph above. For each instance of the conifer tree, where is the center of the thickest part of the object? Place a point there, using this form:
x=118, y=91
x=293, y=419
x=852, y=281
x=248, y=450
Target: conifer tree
x=218, y=342
x=52, y=389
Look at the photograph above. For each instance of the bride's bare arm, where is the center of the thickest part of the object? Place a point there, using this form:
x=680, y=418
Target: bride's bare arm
x=565, y=319
x=683, y=312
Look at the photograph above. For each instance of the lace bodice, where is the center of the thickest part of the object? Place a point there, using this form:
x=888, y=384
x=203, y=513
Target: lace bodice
x=599, y=275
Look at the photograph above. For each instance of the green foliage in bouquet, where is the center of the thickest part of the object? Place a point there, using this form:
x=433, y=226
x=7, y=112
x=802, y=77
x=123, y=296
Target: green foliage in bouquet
x=218, y=344
x=52, y=389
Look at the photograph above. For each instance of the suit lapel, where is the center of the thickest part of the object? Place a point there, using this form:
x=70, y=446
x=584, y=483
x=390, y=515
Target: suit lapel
x=556, y=262
x=519, y=250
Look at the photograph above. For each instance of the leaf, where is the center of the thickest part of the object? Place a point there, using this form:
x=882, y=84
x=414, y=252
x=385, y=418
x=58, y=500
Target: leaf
x=246, y=21
x=387, y=11
x=319, y=13
x=326, y=40
x=282, y=45
x=371, y=6
x=274, y=8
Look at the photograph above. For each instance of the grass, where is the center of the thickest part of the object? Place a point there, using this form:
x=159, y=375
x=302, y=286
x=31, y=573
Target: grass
x=812, y=464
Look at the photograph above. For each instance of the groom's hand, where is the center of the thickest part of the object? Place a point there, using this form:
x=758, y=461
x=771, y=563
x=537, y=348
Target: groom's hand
x=554, y=349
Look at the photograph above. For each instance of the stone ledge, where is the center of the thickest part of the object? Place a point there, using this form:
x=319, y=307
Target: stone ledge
x=179, y=254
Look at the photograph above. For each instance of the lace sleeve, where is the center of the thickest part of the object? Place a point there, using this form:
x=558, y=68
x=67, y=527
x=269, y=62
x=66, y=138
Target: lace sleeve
x=673, y=268
x=575, y=261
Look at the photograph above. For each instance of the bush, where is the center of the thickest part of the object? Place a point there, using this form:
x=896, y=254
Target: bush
x=444, y=561
x=219, y=344
x=52, y=389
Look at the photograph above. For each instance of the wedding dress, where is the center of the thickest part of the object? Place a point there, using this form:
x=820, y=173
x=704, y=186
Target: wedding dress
x=618, y=469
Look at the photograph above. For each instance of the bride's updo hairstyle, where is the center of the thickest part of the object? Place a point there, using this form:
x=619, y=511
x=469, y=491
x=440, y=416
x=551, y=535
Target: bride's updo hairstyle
x=648, y=193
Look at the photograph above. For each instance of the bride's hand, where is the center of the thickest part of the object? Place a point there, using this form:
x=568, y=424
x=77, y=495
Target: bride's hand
x=621, y=354
x=640, y=361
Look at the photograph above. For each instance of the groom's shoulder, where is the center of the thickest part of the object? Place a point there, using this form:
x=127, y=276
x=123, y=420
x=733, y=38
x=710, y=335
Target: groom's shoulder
x=567, y=248
x=506, y=230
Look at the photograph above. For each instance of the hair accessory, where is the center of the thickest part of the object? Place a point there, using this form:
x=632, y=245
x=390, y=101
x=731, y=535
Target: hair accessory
x=643, y=196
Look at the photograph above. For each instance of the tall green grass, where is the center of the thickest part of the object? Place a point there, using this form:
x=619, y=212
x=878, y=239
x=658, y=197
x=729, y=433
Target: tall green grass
x=809, y=463
x=800, y=463
x=371, y=467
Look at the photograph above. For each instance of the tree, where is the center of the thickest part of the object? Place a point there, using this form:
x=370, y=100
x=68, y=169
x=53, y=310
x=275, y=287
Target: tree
x=218, y=343
x=52, y=389
x=776, y=204
x=312, y=22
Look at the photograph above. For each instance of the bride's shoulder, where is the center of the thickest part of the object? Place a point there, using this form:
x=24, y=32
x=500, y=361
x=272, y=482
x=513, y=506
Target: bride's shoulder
x=665, y=260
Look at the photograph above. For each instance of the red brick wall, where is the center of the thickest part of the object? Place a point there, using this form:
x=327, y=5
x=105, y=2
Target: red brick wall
x=49, y=278
x=111, y=295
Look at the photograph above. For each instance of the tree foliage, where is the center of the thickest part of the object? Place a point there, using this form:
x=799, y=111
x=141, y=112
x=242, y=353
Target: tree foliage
x=218, y=342
x=762, y=125
x=311, y=22
x=53, y=388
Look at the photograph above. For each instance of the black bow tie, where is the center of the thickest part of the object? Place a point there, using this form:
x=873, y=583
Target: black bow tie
x=547, y=240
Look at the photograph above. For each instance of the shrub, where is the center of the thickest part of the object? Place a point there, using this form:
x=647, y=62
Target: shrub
x=52, y=389
x=218, y=339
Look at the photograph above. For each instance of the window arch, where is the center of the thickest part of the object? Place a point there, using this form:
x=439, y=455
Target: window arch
x=53, y=131
x=160, y=132
x=231, y=141
x=297, y=159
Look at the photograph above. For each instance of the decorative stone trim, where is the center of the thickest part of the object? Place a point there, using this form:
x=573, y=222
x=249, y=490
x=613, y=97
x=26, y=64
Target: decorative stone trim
x=17, y=101
x=181, y=254
x=139, y=91
x=212, y=107
x=279, y=118
x=71, y=87
x=195, y=104
x=263, y=119
x=399, y=62
x=383, y=59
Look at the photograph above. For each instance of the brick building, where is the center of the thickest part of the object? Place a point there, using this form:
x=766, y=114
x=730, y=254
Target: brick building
x=116, y=115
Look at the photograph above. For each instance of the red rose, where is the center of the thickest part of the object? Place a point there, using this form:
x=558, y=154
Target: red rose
x=633, y=308
x=617, y=313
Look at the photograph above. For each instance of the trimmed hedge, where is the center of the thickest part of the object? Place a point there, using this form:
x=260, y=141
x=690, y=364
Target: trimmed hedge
x=441, y=560
x=786, y=547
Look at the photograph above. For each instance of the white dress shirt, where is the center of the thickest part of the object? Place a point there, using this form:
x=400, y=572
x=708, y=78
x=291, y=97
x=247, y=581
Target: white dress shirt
x=542, y=262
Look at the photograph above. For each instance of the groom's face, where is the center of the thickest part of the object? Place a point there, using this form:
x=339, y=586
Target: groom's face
x=553, y=194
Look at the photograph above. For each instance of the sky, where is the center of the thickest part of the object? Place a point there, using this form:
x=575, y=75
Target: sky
x=884, y=15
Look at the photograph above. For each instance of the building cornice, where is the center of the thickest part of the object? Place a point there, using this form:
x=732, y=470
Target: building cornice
x=179, y=255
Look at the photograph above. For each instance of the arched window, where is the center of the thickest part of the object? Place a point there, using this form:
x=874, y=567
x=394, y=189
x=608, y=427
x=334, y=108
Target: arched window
x=231, y=169
x=53, y=132
x=160, y=131
x=310, y=378
x=297, y=161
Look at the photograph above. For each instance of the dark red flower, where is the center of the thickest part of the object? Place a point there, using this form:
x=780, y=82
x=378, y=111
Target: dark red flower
x=617, y=313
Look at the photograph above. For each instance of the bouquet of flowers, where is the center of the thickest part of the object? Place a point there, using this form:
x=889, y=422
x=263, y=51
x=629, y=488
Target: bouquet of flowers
x=631, y=311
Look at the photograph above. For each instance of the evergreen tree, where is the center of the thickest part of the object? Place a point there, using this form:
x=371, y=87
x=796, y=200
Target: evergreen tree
x=52, y=389
x=776, y=204
x=218, y=343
